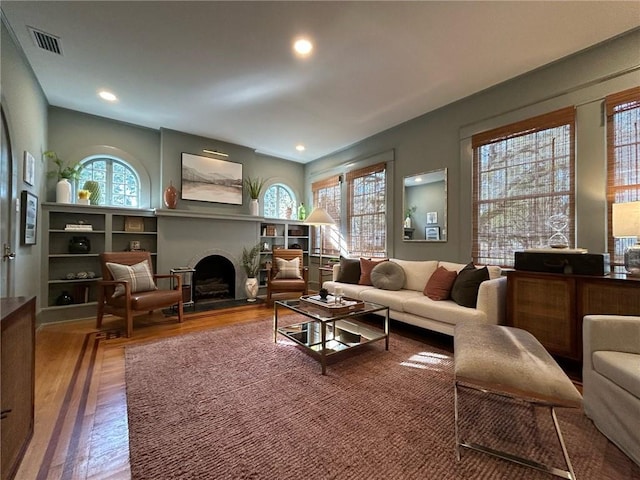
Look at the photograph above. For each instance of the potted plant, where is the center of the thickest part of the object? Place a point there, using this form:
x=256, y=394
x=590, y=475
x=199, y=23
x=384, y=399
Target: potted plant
x=251, y=265
x=407, y=215
x=254, y=188
x=64, y=174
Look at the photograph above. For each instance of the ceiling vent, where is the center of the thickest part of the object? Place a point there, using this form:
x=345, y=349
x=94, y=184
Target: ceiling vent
x=46, y=41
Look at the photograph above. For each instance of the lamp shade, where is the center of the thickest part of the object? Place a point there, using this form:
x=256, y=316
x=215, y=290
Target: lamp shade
x=626, y=219
x=319, y=216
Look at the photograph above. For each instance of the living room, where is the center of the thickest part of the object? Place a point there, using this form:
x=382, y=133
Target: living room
x=428, y=141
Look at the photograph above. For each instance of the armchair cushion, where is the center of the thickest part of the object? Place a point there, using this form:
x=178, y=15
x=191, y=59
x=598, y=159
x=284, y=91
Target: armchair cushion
x=288, y=268
x=139, y=277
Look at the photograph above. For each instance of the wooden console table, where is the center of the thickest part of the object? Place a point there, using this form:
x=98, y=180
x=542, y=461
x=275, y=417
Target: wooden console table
x=551, y=306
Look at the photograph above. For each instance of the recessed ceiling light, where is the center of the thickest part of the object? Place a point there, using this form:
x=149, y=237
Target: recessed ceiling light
x=300, y=148
x=303, y=47
x=108, y=96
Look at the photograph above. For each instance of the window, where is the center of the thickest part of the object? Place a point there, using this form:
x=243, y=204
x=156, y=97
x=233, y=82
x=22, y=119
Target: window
x=119, y=183
x=623, y=162
x=367, y=211
x=326, y=194
x=523, y=187
x=279, y=202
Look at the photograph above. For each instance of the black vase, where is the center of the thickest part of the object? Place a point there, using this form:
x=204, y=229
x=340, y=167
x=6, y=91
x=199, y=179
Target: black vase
x=79, y=245
x=64, y=299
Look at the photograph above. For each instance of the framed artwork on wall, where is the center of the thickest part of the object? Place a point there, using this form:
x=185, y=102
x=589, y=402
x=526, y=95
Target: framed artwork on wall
x=210, y=180
x=28, y=218
x=432, y=218
x=432, y=233
x=28, y=169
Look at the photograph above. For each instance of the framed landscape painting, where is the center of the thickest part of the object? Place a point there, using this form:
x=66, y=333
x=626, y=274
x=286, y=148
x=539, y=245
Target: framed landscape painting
x=210, y=180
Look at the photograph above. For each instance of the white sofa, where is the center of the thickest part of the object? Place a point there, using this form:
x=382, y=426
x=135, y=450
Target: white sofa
x=410, y=305
x=611, y=378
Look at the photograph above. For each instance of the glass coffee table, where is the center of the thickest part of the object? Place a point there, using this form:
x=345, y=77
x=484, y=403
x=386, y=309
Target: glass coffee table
x=323, y=333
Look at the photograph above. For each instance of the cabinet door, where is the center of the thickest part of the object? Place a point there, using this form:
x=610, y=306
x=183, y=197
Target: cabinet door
x=609, y=297
x=545, y=307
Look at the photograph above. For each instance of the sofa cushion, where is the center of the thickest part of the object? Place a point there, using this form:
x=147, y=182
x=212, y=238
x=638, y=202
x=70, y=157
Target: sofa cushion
x=387, y=276
x=446, y=311
x=392, y=299
x=139, y=277
x=349, y=270
x=620, y=367
x=440, y=283
x=417, y=272
x=366, y=266
x=465, y=288
x=494, y=270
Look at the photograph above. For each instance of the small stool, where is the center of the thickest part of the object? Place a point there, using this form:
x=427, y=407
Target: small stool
x=510, y=362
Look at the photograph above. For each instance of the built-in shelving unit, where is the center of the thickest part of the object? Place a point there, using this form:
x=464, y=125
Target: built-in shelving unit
x=60, y=267
x=281, y=234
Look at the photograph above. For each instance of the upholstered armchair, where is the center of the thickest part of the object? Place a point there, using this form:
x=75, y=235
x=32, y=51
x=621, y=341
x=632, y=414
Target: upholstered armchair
x=128, y=287
x=611, y=378
x=287, y=274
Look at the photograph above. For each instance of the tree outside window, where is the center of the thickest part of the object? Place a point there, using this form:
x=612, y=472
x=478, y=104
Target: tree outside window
x=119, y=183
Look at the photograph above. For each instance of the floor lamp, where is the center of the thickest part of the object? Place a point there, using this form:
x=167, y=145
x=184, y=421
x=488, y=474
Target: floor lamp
x=320, y=217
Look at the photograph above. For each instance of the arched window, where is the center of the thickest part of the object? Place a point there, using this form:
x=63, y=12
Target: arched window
x=279, y=202
x=119, y=183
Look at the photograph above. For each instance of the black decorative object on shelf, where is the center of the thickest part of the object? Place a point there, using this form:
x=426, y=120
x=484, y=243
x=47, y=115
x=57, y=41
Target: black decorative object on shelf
x=64, y=299
x=79, y=245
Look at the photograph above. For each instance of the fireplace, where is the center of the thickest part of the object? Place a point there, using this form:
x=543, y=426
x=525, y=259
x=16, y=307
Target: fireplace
x=214, y=279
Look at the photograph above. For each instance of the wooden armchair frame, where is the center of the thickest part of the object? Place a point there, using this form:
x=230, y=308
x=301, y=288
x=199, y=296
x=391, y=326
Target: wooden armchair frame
x=130, y=304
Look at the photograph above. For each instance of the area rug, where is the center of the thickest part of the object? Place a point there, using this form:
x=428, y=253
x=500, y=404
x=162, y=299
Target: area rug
x=232, y=404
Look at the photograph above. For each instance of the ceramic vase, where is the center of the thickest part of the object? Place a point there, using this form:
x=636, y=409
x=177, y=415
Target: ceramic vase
x=171, y=196
x=251, y=287
x=94, y=188
x=63, y=191
x=407, y=222
x=254, y=207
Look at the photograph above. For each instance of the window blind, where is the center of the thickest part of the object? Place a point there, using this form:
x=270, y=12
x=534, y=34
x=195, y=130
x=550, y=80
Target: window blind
x=326, y=194
x=523, y=187
x=623, y=162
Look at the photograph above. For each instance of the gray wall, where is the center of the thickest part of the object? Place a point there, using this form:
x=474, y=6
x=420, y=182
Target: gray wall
x=25, y=107
x=442, y=139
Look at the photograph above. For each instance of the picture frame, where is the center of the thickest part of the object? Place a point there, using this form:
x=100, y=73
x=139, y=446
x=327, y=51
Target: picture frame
x=133, y=224
x=28, y=218
x=207, y=179
x=432, y=218
x=432, y=233
x=28, y=169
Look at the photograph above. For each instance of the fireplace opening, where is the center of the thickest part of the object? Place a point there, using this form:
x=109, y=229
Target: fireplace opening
x=214, y=279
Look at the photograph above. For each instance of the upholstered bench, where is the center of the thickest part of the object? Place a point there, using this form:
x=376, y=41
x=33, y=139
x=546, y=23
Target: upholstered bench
x=510, y=362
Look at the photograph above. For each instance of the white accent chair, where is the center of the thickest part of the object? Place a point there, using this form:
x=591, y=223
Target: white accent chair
x=611, y=378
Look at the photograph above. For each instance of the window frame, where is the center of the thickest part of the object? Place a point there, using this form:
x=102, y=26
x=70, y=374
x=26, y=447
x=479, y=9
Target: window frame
x=110, y=160
x=292, y=194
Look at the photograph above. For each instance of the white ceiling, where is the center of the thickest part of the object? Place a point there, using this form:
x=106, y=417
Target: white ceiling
x=225, y=70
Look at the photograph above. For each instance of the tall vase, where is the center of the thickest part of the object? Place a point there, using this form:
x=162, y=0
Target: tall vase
x=251, y=287
x=254, y=207
x=171, y=196
x=407, y=222
x=63, y=191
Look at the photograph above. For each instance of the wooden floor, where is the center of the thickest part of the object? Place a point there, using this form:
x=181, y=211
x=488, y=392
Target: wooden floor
x=80, y=401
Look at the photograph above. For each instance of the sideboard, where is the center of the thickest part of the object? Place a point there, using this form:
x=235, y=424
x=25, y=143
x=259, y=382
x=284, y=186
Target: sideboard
x=551, y=306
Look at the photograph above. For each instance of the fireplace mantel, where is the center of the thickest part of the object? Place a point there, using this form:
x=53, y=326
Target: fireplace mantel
x=165, y=212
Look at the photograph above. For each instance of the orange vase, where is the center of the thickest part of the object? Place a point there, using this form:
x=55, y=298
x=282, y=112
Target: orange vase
x=171, y=196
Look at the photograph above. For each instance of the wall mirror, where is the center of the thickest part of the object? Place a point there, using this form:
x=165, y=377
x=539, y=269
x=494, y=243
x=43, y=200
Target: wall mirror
x=425, y=207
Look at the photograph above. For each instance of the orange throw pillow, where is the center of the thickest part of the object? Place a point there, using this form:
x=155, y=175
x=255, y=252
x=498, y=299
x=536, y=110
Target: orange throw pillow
x=439, y=285
x=366, y=265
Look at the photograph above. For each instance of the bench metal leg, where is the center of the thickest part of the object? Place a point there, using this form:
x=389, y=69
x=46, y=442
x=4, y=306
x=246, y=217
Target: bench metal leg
x=568, y=474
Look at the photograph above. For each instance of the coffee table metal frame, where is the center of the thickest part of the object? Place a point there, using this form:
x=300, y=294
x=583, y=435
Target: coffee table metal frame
x=329, y=343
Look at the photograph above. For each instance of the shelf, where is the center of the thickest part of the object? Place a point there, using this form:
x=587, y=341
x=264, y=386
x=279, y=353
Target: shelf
x=74, y=280
x=77, y=232
x=73, y=305
x=122, y=232
x=72, y=255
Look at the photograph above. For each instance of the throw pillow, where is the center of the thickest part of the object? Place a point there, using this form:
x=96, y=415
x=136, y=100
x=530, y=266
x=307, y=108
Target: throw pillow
x=465, y=288
x=288, y=268
x=366, y=266
x=139, y=277
x=440, y=283
x=349, y=270
x=387, y=276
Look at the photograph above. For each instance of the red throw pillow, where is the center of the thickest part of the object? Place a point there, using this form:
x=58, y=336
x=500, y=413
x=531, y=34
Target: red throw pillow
x=366, y=265
x=439, y=285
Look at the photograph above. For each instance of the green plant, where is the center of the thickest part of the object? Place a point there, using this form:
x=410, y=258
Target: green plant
x=410, y=211
x=254, y=186
x=70, y=172
x=251, y=261
x=94, y=188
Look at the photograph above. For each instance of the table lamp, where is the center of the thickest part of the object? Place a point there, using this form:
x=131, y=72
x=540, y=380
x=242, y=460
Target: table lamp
x=626, y=223
x=320, y=217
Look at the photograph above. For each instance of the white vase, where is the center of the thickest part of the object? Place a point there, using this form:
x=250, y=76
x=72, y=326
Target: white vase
x=63, y=191
x=251, y=287
x=254, y=207
x=407, y=222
